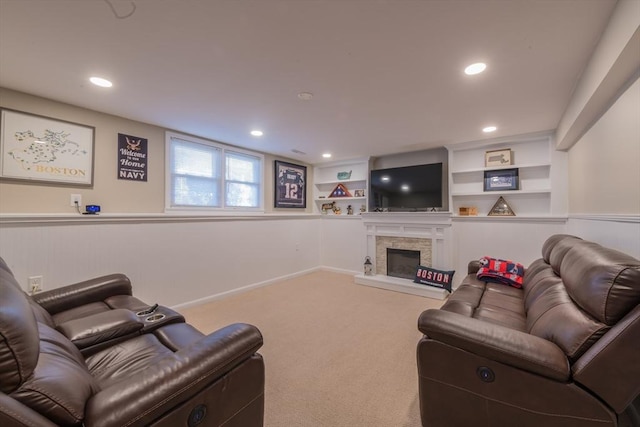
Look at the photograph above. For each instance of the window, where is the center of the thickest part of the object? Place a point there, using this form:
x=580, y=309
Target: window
x=203, y=174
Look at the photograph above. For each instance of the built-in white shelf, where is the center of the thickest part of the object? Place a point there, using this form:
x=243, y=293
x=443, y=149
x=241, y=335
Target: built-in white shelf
x=320, y=199
x=341, y=216
x=501, y=193
x=491, y=168
x=326, y=179
x=541, y=184
x=345, y=182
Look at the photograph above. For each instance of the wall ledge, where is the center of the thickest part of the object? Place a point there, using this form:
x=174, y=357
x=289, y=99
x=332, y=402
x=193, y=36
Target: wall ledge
x=528, y=218
x=635, y=219
x=52, y=218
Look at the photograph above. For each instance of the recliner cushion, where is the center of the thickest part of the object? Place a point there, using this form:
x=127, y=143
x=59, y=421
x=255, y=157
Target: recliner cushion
x=123, y=359
x=603, y=282
x=60, y=384
x=551, y=242
x=18, y=334
x=554, y=317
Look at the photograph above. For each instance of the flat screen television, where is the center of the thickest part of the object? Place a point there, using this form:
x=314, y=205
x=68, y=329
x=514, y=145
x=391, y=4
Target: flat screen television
x=406, y=189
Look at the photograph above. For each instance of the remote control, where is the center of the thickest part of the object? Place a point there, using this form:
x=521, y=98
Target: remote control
x=148, y=311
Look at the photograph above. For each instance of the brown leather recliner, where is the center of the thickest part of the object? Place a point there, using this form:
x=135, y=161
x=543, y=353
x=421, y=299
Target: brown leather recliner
x=562, y=351
x=114, y=368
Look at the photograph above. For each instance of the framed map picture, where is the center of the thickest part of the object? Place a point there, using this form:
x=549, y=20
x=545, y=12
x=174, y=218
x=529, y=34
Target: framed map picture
x=291, y=185
x=40, y=149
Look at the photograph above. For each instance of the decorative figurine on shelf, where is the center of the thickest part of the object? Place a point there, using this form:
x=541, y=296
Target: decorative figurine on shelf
x=349, y=210
x=344, y=175
x=340, y=191
x=337, y=210
x=368, y=267
x=326, y=207
x=363, y=209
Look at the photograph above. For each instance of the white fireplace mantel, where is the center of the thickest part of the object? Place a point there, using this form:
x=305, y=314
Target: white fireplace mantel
x=435, y=226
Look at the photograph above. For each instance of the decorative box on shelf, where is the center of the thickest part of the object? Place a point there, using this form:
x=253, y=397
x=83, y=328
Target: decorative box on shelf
x=468, y=211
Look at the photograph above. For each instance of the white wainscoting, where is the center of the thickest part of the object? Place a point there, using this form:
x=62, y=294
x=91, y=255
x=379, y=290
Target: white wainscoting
x=172, y=261
x=517, y=239
x=343, y=244
x=621, y=232
x=176, y=261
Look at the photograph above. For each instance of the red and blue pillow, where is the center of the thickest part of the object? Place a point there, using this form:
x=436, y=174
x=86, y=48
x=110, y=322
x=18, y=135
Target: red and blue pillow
x=502, y=271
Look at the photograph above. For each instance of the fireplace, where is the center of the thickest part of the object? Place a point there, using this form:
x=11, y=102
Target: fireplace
x=402, y=263
x=428, y=233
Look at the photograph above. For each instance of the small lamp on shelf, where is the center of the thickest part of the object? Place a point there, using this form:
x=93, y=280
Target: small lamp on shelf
x=368, y=267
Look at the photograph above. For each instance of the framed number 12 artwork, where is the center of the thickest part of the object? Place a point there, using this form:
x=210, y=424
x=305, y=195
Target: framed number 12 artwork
x=290, y=185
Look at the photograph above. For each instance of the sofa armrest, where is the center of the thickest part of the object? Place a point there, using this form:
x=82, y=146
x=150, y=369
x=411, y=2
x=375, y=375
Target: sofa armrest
x=145, y=396
x=16, y=414
x=473, y=266
x=101, y=327
x=85, y=292
x=496, y=342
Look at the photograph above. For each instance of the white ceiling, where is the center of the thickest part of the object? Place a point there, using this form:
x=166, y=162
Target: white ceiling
x=387, y=75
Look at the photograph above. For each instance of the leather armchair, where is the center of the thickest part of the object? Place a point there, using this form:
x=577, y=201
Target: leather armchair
x=169, y=374
x=561, y=351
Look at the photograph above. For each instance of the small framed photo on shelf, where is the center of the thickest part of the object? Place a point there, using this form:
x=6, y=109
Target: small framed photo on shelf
x=497, y=158
x=291, y=181
x=358, y=193
x=501, y=180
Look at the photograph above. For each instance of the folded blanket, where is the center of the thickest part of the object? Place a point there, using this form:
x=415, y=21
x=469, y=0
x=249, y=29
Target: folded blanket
x=501, y=271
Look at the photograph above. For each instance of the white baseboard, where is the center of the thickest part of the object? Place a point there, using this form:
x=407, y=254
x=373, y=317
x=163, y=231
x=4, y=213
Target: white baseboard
x=339, y=270
x=226, y=294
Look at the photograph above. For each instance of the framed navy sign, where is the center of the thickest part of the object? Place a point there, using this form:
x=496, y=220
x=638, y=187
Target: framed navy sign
x=132, y=157
x=290, y=188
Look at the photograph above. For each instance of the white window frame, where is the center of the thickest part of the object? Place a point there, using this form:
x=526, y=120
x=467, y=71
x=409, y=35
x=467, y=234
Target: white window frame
x=223, y=208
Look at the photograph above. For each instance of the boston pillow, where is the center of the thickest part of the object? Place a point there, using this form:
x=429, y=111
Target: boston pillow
x=432, y=277
x=502, y=271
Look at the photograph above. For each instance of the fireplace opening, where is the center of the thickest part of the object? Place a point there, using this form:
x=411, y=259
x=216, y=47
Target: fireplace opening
x=402, y=263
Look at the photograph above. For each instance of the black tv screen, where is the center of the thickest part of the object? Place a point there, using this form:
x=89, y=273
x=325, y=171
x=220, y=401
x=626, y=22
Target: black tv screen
x=409, y=188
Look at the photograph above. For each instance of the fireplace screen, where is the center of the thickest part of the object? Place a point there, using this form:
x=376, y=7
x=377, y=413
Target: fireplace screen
x=402, y=263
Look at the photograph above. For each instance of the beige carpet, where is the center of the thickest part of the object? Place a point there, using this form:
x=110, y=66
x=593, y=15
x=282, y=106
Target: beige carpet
x=337, y=354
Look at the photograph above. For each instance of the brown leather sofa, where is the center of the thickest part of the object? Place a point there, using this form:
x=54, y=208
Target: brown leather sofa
x=91, y=354
x=564, y=350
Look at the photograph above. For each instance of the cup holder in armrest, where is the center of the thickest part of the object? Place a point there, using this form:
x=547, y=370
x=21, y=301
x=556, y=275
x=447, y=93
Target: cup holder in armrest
x=155, y=317
x=148, y=311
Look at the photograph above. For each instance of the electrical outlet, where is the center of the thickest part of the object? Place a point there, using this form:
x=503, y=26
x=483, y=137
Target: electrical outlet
x=35, y=284
x=75, y=198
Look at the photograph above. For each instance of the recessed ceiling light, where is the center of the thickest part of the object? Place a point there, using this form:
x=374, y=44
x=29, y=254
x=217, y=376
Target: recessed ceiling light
x=489, y=129
x=99, y=81
x=404, y=187
x=476, y=68
x=305, y=96
x=257, y=132
x=327, y=155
